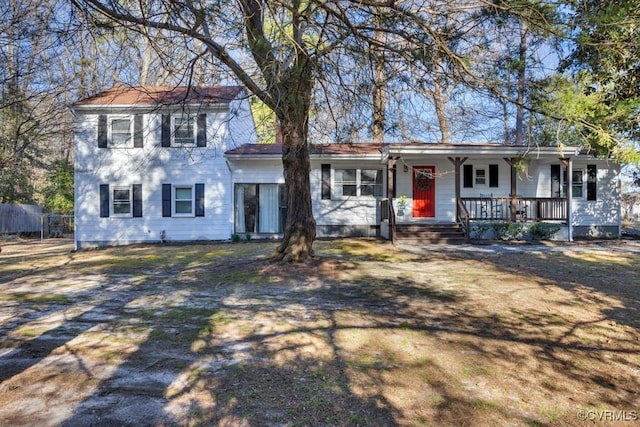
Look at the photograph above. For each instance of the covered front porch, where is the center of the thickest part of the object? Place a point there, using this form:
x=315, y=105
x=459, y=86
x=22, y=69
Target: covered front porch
x=481, y=187
x=473, y=210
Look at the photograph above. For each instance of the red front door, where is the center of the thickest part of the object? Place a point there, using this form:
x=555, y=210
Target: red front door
x=424, y=191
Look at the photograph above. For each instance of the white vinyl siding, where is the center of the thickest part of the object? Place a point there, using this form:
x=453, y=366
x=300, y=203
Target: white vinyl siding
x=152, y=168
x=359, y=211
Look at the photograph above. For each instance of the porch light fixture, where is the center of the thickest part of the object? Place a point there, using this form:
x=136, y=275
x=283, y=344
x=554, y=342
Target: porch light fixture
x=405, y=168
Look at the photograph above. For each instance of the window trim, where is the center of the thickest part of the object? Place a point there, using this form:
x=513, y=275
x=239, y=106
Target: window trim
x=339, y=185
x=192, y=117
x=485, y=177
x=112, y=200
x=470, y=175
x=373, y=184
x=337, y=194
x=577, y=184
x=175, y=200
x=110, y=120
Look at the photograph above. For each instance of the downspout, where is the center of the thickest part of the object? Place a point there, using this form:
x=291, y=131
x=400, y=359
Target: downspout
x=619, y=198
x=570, y=198
x=75, y=182
x=232, y=196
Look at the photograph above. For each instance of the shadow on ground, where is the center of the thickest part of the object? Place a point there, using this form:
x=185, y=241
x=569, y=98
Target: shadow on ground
x=364, y=335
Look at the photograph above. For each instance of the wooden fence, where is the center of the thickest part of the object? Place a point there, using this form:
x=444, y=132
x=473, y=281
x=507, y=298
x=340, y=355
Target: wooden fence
x=16, y=219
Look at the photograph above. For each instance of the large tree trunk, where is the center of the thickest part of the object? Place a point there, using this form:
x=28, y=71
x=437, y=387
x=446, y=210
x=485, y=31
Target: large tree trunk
x=300, y=227
x=379, y=85
x=379, y=102
x=522, y=85
x=440, y=103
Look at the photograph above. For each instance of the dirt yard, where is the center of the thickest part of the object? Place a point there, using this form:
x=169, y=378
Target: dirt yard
x=366, y=335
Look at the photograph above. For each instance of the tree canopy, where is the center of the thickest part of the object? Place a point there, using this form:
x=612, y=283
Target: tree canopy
x=604, y=66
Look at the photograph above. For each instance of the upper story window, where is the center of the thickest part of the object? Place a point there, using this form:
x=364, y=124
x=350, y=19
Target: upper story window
x=183, y=129
x=120, y=131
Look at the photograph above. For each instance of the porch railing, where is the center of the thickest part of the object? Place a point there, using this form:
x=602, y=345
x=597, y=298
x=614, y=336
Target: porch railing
x=521, y=208
x=388, y=213
x=463, y=219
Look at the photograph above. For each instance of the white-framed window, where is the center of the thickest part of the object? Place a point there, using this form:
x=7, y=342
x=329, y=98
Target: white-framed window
x=121, y=201
x=371, y=182
x=480, y=176
x=576, y=183
x=183, y=200
x=120, y=131
x=183, y=129
x=357, y=182
x=345, y=182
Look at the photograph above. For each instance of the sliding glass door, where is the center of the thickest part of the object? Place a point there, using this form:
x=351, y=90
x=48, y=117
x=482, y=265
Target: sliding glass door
x=259, y=208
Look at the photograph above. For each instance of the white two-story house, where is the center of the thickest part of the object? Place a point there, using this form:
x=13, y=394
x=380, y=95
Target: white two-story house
x=150, y=166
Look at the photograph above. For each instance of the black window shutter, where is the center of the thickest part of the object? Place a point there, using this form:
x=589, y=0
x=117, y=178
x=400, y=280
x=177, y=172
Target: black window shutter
x=166, y=200
x=202, y=130
x=326, y=181
x=104, y=200
x=102, y=131
x=137, y=200
x=199, y=199
x=592, y=182
x=165, y=138
x=467, y=181
x=137, y=131
x=555, y=180
x=493, y=176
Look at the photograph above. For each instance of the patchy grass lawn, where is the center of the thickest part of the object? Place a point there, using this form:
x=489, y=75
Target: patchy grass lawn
x=366, y=334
